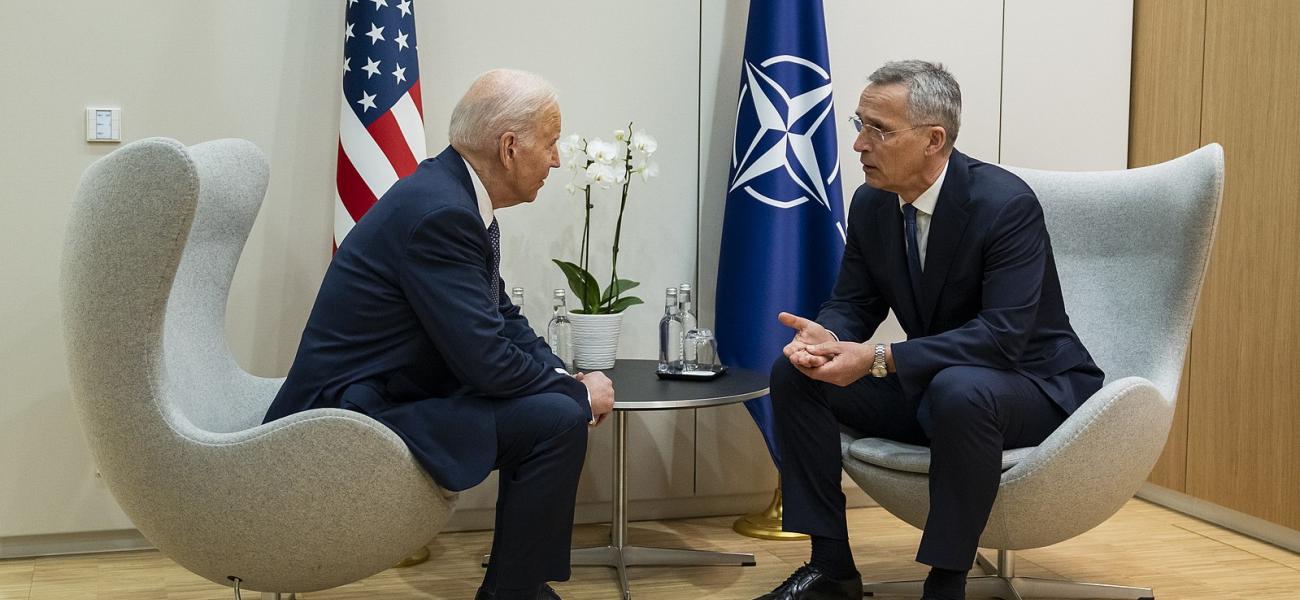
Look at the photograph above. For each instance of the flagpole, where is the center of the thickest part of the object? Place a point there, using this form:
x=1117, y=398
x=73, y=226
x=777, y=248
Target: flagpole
x=782, y=237
x=372, y=155
x=766, y=525
x=415, y=558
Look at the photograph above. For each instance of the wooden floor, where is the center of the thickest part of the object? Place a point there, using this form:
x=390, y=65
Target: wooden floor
x=1181, y=557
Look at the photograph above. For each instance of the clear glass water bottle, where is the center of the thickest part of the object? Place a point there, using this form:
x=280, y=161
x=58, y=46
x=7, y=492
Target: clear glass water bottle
x=559, y=331
x=671, y=335
x=686, y=310
x=517, y=299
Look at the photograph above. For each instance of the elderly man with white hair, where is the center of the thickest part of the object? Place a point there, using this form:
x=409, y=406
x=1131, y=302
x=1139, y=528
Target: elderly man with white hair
x=412, y=326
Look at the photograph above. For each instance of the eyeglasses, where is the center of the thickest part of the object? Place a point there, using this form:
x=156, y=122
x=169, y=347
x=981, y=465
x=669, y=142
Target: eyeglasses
x=877, y=133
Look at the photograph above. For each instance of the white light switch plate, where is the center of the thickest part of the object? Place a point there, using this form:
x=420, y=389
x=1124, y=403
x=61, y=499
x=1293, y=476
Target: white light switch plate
x=103, y=124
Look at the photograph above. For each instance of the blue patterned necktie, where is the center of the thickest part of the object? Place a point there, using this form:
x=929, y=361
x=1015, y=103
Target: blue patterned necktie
x=913, y=250
x=494, y=236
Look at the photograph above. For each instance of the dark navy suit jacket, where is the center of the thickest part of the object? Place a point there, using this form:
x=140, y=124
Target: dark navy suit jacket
x=404, y=329
x=990, y=295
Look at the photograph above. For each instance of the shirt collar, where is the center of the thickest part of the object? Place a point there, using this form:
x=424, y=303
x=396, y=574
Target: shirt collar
x=926, y=201
x=480, y=195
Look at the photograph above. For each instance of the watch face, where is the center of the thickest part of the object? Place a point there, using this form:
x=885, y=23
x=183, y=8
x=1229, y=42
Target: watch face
x=879, y=371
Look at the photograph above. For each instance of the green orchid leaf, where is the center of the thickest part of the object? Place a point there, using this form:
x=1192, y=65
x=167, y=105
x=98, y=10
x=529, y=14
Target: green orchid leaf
x=622, y=304
x=584, y=286
x=617, y=288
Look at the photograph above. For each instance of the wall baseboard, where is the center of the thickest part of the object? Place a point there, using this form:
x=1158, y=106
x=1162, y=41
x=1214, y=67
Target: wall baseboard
x=88, y=542
x=640, y=510
x=648, y=510
x=124, y=540
x=1239, y=522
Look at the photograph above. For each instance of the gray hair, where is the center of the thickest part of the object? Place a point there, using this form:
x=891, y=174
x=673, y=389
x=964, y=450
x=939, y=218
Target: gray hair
x=498, y=101
x=933, y=95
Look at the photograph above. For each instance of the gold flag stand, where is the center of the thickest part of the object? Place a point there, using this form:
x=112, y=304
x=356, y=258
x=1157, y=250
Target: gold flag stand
x=415, y=558
x=766, y=525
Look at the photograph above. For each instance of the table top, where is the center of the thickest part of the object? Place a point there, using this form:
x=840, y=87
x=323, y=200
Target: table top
x=637, y=388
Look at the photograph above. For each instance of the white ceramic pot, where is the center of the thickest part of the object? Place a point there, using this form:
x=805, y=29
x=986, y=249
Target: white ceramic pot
x=595, y=340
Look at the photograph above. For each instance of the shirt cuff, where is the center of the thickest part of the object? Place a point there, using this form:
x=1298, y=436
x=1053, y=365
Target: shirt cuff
x=593, y=412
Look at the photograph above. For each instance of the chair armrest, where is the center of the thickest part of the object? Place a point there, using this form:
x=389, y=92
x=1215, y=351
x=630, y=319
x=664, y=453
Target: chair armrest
x=332, y=488
x=1087, y=469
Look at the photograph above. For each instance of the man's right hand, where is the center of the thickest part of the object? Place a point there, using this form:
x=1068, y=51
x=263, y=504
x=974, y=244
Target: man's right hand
x=807, y=333
x=601, y=390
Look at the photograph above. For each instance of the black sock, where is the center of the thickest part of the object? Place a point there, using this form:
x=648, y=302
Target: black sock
x=943, y=584
x=833, y=557
x=527, y=593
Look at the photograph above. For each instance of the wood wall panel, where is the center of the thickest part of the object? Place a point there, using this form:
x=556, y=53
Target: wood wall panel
x=1165, y=122
x=1243, y=448
x=1165, y=116
x=1171, y=470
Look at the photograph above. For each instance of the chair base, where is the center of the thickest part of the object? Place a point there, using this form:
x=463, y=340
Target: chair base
x=265, y=595
x=1001, y=582
x=1017, y=588
x=235, y=581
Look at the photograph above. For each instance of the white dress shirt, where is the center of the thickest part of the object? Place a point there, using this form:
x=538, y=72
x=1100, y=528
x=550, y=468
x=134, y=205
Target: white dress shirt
x=481, y=195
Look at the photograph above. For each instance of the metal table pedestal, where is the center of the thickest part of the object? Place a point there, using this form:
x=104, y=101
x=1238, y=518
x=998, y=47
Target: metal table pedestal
x=619, y=555
x=640, y=389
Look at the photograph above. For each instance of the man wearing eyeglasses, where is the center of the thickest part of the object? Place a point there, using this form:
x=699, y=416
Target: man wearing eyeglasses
x=957, y=248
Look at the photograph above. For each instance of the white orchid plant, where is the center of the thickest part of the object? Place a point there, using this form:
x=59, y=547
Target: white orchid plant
x=597, y=163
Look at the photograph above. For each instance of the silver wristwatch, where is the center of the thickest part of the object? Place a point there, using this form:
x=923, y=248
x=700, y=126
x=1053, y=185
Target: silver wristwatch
x=878, y=366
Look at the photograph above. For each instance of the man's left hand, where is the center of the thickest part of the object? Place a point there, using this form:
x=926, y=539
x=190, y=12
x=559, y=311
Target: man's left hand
x=845, y=362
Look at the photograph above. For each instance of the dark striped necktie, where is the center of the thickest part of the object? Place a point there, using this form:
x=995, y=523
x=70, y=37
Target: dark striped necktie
x=494, y=236
x=913, y=250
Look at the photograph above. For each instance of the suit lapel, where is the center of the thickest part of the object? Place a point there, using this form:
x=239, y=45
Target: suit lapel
x=894, y=257
x=946, y=228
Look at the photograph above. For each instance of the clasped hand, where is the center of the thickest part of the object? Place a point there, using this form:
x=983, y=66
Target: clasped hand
x=816, y=353
x=601, y=391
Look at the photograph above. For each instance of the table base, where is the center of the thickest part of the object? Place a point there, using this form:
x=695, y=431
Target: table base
x=640, y=556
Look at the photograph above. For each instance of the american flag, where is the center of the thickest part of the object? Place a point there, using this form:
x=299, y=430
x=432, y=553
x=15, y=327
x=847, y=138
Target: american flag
x=381, y=122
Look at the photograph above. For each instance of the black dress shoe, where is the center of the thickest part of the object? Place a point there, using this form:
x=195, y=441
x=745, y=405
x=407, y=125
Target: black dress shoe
x=546, y=593
x=810, y=583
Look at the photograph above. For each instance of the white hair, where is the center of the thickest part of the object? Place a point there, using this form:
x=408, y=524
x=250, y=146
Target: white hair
x=499, y=101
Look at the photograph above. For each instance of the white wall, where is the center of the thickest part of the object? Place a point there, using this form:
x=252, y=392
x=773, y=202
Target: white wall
x=268, y=71
x=192, y=71
x=1052, y=51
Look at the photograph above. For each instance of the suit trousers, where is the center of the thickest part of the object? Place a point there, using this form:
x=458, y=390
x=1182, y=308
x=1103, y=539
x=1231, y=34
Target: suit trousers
x=968, y=416
x=541, y=445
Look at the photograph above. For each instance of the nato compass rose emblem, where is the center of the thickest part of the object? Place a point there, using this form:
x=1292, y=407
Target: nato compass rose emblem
x=784, y=154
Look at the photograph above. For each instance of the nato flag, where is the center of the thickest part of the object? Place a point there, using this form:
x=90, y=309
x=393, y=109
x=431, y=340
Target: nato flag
x=783, y=231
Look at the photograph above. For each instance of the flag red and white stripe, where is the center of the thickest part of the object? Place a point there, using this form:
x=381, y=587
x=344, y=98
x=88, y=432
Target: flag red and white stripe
x=381, y=120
